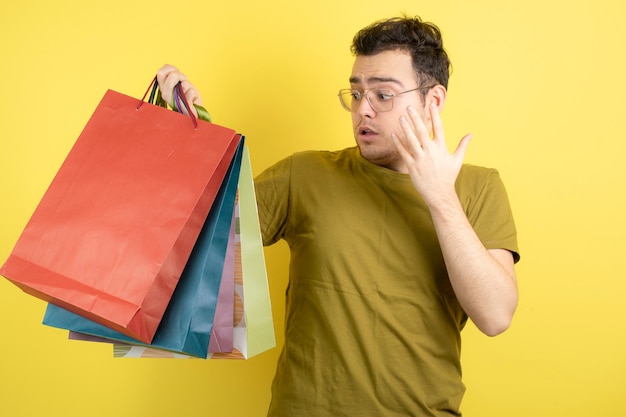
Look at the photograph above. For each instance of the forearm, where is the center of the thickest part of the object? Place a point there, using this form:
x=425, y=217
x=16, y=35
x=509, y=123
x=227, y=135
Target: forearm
x=483, y=280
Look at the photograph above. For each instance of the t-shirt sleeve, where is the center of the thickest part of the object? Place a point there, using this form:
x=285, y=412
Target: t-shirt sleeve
x=489, y=212
x=272, y=188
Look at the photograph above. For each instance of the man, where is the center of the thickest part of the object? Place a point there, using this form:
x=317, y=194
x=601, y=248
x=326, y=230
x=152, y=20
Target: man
x=394, y=243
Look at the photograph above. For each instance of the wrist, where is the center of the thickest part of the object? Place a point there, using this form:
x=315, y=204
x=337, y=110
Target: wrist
x=443, y=202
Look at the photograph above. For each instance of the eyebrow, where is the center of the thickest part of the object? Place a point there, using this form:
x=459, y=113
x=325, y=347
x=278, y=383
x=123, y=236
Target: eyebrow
x=376, y=80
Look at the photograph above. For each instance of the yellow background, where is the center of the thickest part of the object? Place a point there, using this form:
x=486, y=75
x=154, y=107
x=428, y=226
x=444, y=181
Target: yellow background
x=539, y=83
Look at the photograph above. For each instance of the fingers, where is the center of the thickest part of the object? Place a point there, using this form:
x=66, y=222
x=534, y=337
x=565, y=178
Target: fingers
x=421, y=130
x=168, y=76
x=438, y=136
x=164, y=72
x=415, y=137
x=437, y=125
x=191, y=92
x=191, y=95
x=402, y=150
x=414, y=133
x=426, y=130
x=408, y=138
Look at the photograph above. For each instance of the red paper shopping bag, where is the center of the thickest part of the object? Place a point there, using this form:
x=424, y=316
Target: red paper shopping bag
x=114, y=230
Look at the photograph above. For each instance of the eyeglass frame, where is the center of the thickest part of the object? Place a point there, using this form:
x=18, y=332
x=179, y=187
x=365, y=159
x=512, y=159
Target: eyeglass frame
x=365, y=93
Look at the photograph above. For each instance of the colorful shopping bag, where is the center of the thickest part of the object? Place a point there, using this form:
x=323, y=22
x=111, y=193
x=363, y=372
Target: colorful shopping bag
x=114, y=230
x=253, y=325
x=222, y=329
x=257, y=310
x=187, y=324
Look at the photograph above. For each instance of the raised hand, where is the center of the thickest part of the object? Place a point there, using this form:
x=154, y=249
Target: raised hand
x=432, y=168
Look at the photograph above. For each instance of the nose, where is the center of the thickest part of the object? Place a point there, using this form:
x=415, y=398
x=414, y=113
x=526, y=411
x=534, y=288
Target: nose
x=365, y=108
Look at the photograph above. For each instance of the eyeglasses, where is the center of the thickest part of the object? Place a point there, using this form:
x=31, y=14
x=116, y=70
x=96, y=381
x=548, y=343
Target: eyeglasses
x=380, y=101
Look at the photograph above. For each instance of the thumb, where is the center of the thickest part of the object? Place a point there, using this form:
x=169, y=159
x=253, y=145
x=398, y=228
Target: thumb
x=461, y=149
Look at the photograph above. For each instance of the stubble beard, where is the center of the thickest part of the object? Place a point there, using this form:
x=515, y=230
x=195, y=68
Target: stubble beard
x=385, y=156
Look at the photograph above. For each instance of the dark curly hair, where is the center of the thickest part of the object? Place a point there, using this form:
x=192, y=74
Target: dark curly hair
x=421, y=39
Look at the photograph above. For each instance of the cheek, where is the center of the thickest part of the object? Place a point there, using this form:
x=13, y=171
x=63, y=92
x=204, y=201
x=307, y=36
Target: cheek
x=391, y=123
x=356, y=120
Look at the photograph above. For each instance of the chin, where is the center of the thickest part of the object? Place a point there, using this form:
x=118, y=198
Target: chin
x=381, y=157
x=374, y=156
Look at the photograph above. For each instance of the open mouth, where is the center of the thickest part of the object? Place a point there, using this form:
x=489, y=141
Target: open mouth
x=366, y=131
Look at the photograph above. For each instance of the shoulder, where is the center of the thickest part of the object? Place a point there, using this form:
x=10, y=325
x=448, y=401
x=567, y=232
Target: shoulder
x=473, y=176
x=327, y=161
x=477, y=183
x=307, y=165
x=475, y=171
x=323, y=156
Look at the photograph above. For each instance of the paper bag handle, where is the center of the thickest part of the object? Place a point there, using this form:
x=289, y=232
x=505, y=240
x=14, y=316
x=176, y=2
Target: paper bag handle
x=178, y=99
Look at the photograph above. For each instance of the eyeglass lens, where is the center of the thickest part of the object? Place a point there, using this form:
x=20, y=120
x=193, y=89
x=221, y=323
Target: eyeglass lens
x=379, y=99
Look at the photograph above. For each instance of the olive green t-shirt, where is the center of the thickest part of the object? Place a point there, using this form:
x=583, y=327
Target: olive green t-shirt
x=372, y=325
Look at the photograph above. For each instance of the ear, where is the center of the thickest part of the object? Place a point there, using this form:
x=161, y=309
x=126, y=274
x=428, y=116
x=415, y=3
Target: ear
x=437, y=95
